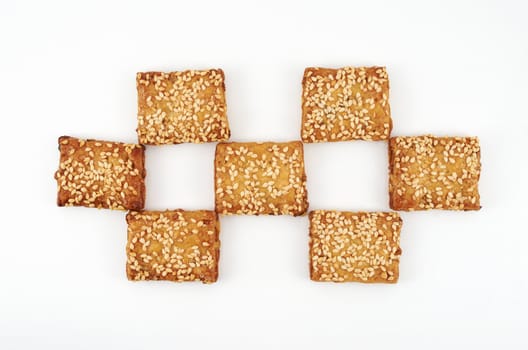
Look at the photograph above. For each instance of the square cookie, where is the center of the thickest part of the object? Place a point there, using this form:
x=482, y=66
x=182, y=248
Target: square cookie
x=178, y=107
x=354, y=247
x=260, y=178
x=350, y=103
x=428, y=172
x=100, y=174
x=173, y=245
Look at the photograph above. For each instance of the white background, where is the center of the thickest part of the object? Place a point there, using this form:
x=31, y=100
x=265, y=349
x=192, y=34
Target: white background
x=455, y=68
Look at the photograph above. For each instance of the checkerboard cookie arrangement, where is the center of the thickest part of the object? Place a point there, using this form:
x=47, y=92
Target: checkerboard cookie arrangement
x=267, y=178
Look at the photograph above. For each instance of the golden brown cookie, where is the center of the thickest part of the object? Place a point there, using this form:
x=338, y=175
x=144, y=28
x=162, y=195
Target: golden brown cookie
x=100, y=174
x=173, y=245
x=354, y=247
x=350, y=103
x=177, y=107
x=260, y=178
x=428, y=172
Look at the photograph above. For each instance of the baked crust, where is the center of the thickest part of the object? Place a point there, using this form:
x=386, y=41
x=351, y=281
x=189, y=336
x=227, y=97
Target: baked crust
x=173, y=245
x=100, y=174
x=260, y=178
x=354, y=247
x=177, y=107
x=350, y=103
x=428, y=172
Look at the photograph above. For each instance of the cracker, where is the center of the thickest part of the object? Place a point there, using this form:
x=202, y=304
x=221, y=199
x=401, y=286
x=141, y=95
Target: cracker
x=350, y=103
x=173, y=245
x=260, y=178
x=354, y=247
x=178, y=107
x=100, y=174
x=428, y=172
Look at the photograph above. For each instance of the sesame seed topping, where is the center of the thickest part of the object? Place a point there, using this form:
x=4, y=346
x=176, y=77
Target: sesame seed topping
x=91, y=177
x=360, y=247
x=428, y=172
x=179, y=107
x=260, y=178
x=173, y=245
x=350, y=103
